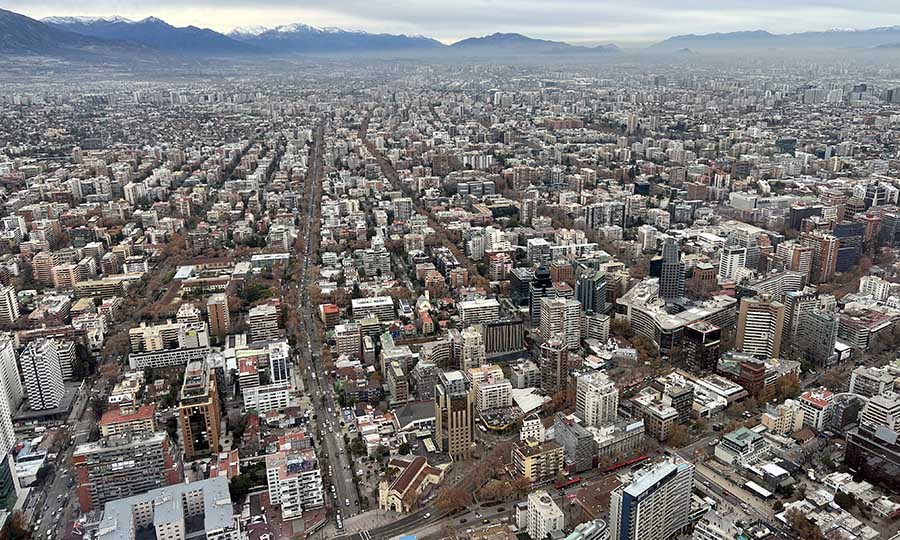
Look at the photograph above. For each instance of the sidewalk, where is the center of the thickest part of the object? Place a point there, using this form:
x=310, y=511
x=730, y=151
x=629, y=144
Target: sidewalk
x=370, y=519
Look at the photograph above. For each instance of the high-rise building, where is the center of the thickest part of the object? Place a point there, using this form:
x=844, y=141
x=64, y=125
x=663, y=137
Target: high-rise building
x=596, y=399
x=262, y=320
x=825, y=252
x=700, y=343
x=796, y=305
x=42, y=374
x=561, y=317
x=671, y=277
x=9, y=306
x=554, y=365
x=219, y=320
x=472, y=353
x=454, y=415
x=124, y=465
x=198, y=411
x=819, y=336
x=544, y=516
x=541, y=286
x=731, y=259
x=590, y=290
x=653, y=505
x=760, y=324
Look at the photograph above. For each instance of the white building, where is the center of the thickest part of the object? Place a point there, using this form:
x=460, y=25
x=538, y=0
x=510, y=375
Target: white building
x=816, y=405
x=561, y=318
x=532, y=429
x=42, y=374
x=11, y=396
x=294, y=479
x=544, y=516
x=875, y=286
x=9, y=306
x=483, y=310
x=731, y=260
x=596, y=399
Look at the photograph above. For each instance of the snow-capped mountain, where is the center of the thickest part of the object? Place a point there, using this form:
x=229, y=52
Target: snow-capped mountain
x=303, y=38
x=152, y=32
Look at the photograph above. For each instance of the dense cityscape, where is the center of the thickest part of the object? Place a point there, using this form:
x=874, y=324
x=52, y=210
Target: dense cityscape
x=367, y=299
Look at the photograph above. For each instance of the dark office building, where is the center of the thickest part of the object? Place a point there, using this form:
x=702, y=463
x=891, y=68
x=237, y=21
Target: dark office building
x=541, y=287
x=798, y=213
x=579, y=447
x=520, y=285
x=671, y=277
x=590, y=290
x=700, y=343
x=890, y=229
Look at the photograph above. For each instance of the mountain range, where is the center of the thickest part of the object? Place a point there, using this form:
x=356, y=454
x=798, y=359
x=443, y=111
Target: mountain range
x=760, y=39
x=116, y=35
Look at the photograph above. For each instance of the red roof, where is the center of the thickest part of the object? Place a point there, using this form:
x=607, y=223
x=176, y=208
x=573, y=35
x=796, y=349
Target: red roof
x=115, y=415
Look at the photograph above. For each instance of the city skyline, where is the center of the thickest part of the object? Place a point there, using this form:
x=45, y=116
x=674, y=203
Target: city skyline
x=573, y=21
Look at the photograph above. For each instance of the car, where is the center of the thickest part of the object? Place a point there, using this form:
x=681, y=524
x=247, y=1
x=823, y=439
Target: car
x=745, y=506
x=485, y=521
x=427, y=515
x=478, y=515
x=463, y=520
x=706, y=483
x=347, y=502
x=713, y=442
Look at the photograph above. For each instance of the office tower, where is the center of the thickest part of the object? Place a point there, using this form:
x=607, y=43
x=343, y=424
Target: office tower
x=790, y=255
x=196, y=510
x=700, y=343
x=873, y=448
x=473, y=352
x=479, y=311
x=871, y=381
x=9, y=306
x=520, y=285
x=671, y=277
x=596, y=399
x=544, y=516
x=889, y=233
x=554, y=365
x=819, y=336
x=731, y=259
x=590, y=290
x=760, y=324
x=219, y=321
x=540, y=287
x=653, y=505
x=561, y=317
x=198, y=411
x=454, y=413
x=797, y=304
x=745, y=236
x=42, y=374
x=124, y=465
x=825, y=251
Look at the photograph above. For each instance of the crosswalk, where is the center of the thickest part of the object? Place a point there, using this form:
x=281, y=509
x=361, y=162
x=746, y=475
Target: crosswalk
x=365, y=535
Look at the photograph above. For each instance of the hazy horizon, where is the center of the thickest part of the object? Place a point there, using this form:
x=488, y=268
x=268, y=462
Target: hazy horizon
x=574, y=21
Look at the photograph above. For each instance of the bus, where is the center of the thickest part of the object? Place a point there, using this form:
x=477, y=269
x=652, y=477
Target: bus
x=626, y=463
x=563, y=484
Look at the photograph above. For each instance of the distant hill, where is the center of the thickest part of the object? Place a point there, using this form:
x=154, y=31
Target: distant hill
x=154, y=33
x=512, y=43
x=23, y=35
x=760, y=39
x=302, y=38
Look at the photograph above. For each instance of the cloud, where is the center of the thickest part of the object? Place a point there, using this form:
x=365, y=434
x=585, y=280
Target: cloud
x=572, y=20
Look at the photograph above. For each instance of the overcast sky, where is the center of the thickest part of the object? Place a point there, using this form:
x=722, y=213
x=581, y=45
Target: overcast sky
x=583, y=21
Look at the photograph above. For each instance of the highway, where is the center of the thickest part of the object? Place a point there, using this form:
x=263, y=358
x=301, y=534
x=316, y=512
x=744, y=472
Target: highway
x=334, y=458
